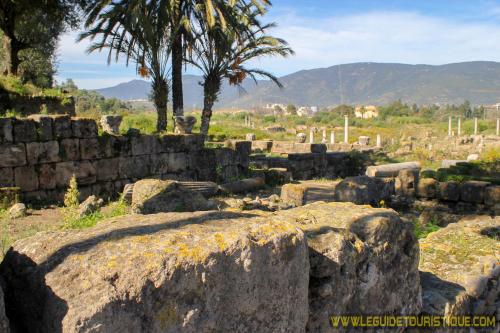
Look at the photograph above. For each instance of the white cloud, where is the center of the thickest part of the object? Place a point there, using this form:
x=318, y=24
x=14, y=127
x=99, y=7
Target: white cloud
x=404, y=37
x=388, y=36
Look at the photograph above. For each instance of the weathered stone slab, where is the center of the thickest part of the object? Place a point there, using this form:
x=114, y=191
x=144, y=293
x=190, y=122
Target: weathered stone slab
x=450, y=163
x=104, y=190
x=225, y=157
x=307, y=192
x=84, y=172
x=262, y=146
x=390, y=170
x=145, y=145
x=6, y=130
x=244, y=185
x=42, y=152
x=364, y=190
x=177, y=162
x=172, y=143
x=83, y=128
x=69, y=149
x=47, y=176
x=107, y=169
x=44, y=127
x=24, y=130
x=492, y=195
x=136, y=167
x=111, y=124
x=159, y=164
x=12, y=155
x=89, y=149
x=460, y=268
x=202, y=163
x=449, y=191
x=473, y=191
x=153, y=196
x=188, y=272
x=363, y=260
x=427, y=188
x=26, y=178
x=194, y=142
x=6, y=177
x=4, y=321
x=406, y=183
x=62, y=127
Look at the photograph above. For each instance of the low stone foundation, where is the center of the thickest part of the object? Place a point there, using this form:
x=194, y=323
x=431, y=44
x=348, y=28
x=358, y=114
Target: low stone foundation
x=305, y=166
x=41, y=154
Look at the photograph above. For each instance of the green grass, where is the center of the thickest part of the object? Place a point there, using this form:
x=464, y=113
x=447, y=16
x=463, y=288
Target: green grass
x=421, y=231
x=118, y=208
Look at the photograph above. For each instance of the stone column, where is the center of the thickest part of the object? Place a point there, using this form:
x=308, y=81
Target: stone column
x=311, y=136
x=379, y=141
x=346, y=129
x=332, y=137
x=475, y=125
x=323, y=140
x=449, y=126
x=498, y=126
x=459, y=126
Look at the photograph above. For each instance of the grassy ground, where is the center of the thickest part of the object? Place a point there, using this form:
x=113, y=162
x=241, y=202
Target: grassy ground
x=226, y=125
x=52, y=218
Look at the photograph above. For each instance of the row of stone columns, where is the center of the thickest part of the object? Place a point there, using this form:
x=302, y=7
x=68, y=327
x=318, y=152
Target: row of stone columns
x=346, y=134
x=476, y=131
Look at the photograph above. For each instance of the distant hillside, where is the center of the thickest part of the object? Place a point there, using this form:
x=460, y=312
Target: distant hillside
x=358, y=83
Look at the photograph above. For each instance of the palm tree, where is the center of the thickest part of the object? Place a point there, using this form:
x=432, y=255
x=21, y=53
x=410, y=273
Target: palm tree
x=138, y=30
x=189, y=14
x=220, y=54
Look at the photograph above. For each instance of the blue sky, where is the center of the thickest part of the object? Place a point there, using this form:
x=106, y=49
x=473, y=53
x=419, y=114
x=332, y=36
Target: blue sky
x=329, y=32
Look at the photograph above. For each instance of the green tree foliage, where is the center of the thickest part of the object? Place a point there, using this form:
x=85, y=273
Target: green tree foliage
x=30, y=32
x=222, y=53
x=91, y=102
x=291, y=109
x=140, y=31
x=187, y=15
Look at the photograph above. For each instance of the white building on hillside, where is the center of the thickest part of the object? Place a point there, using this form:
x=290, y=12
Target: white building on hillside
x=366, y=112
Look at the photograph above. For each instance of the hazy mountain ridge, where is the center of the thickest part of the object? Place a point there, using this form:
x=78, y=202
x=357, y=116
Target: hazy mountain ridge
x=358, y=83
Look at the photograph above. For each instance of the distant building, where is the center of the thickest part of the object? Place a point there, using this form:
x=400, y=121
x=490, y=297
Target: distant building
x=305, y=111
x=275, y=108
x=366, y=112
x=491, y=111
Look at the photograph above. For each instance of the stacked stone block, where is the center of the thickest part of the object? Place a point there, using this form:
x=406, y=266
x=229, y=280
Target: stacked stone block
x=40, y=154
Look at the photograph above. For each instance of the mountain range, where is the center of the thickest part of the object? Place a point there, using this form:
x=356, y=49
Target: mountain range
x=357, y=83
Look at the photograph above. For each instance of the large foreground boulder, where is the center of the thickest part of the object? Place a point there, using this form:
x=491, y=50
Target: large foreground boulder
x=184, y=272
x=4, y=321
x=364, y=190
x=152, y=196
x=461, y=269
x=363, y=260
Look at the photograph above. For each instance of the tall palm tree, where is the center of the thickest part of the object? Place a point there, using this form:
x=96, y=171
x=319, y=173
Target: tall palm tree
x=138, y=30
x=189, y=14
x=223, y=54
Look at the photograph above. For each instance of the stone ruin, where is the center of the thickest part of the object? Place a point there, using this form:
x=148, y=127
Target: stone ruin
x=235, y=271
x=39, y=155
x=223, y=271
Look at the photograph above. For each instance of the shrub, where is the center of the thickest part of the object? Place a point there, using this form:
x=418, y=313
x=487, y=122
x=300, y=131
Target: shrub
x=421, y=231
x=72, y=194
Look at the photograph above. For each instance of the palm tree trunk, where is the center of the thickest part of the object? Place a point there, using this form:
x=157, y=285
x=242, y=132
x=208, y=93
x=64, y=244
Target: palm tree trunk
x=211, y=89
x=160, y=100
x=177, y=94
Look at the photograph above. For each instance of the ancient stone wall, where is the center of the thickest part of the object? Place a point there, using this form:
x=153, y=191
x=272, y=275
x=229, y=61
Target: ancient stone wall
x=40, y=155
x=320, y=164
x=27, y=105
